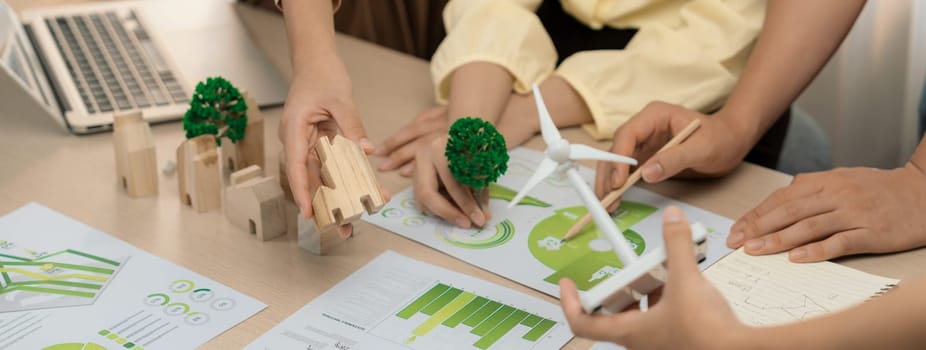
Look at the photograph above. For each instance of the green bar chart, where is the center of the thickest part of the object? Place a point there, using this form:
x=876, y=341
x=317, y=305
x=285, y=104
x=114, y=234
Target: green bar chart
x=490, y=320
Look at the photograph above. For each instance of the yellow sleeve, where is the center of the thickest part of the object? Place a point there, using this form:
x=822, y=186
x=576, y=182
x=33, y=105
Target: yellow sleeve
x=504, y=32
x=693, y=61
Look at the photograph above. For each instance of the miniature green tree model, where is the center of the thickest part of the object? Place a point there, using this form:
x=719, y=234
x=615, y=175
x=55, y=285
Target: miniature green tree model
x=216, y=108
x=476, y=154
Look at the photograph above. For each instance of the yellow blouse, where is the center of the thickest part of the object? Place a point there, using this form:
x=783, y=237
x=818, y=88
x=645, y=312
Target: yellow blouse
x=684, y=52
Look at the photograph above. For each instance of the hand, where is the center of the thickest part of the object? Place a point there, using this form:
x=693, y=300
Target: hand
x=400, y=149
x=690, y=314
x=829, y=214
x=439, y=194
x=713, y=150
x=319, y=104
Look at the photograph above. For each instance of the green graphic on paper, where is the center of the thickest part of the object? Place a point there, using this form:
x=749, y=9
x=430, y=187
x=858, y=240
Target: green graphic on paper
x=75, y=275
x=75, y=346
x=588, y=258
x=450, y=307
x=500, y=192
x=480, y=238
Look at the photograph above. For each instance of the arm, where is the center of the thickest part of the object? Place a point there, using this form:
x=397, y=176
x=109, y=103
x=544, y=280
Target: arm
x=778, y=69
x=798, y=38
x=319, y=102
x=492, y=47
x=310, y=29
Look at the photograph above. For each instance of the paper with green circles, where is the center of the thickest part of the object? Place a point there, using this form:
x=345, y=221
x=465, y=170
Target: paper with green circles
x=524, y=243
x=67, y=286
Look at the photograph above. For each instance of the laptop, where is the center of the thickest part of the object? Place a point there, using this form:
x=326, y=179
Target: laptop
x=82, y=64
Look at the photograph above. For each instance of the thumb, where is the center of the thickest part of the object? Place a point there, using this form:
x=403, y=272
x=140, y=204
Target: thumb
x=679, y=247
x=668, y=163
x=348, y=120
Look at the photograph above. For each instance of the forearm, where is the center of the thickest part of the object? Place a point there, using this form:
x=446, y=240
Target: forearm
x=567, y=108
x=892, y=321
x=798, y=38
x=479, y=89
x=310, y=29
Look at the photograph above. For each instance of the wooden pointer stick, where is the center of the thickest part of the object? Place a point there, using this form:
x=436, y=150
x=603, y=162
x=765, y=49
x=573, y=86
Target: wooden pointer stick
x=631, y=180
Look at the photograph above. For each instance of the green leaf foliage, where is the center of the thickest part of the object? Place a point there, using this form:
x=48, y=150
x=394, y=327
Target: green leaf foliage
x=216, y=103
x=476, y=152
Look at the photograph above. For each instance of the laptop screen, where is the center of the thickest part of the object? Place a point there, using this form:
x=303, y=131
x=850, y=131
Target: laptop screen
x=16, y=56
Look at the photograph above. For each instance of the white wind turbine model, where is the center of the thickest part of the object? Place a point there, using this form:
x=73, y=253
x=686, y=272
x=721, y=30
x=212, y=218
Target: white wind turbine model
x=561, y=156
x=639, y=276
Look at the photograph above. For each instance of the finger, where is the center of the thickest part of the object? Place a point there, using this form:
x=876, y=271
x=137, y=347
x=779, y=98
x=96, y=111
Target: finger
x=428, y=197
x=299, y=142
x=383, y=191
x=786, y=215
x=613, y=207
x=408, y=169
x=625, y=143
x=314, y=180
x=346, y=230
x=603, y=178
x=348, y=120
x=461, y=195
x=747, y=226
x=671, y=161
x=400, y=157
x=841, y=244
x=594, y=326
x=803, y=231
x=679, y=245
x=408, y=133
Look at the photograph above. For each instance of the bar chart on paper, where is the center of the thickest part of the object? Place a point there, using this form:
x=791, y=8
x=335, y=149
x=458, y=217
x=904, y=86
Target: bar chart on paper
x=398, y=303
x=445, y=312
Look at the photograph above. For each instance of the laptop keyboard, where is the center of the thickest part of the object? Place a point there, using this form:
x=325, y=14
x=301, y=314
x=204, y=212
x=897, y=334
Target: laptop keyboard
x=114, y=63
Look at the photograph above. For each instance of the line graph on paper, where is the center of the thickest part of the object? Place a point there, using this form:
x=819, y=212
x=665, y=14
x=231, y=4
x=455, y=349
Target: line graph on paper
x=770, y=290
x=806, y=309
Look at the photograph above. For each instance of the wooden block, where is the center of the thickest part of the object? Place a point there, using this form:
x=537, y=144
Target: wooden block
x=348, y=184
x=198, y=173
x=284, y=180
x=136, y=157
x=251, y=147
x=315, y=241
x=255, y=204
x=249, y=150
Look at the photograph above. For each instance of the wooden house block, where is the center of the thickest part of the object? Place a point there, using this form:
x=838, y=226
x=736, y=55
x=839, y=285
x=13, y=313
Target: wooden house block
x=255, y=204
x=198, y=173
x=348, y=184
x=315, y=241
x=249, y=150
x=251, y=147
x=136, y=157
x=284, y=180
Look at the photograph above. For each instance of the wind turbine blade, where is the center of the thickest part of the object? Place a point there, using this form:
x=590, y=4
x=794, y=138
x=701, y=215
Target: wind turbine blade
x=547, y=127
x=577, y=152
x=546, y=168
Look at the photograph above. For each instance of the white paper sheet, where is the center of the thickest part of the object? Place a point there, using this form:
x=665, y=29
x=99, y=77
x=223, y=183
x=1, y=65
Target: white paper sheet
x=523, y=243
x=65, y=285
x=395, y=302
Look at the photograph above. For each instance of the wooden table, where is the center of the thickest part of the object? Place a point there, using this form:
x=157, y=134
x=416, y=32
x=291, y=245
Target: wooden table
x=76, y=175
